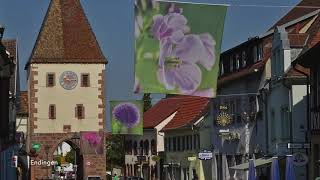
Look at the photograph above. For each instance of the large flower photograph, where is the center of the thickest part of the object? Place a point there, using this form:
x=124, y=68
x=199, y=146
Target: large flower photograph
x=176, y=50
x=92, y=142
x=127, y=117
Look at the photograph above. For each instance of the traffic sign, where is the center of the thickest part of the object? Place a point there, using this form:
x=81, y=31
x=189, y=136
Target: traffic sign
x=36, y=146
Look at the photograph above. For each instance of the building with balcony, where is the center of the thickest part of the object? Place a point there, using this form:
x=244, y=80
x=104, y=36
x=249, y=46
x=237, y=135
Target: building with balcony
x=144, y=155
x=187, y=134
x=308, y=59
x=239, y=129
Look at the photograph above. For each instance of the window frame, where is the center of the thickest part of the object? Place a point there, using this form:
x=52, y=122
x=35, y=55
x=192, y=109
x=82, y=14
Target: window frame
x=48, y=79
x=82, y=116
x=52, y=107
x=88, y=80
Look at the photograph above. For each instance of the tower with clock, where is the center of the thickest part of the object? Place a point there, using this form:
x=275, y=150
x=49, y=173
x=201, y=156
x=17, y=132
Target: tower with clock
x=66, y=89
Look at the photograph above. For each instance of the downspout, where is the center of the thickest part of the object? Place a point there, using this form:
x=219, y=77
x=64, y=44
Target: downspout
x=308, y=114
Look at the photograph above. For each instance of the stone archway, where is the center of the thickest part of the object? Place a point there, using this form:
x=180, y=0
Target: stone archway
x=92, y=164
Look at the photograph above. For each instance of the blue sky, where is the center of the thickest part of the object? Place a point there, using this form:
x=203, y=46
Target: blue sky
x=112, y=23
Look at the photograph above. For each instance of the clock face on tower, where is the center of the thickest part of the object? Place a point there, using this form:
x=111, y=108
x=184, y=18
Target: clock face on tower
x=68, y=80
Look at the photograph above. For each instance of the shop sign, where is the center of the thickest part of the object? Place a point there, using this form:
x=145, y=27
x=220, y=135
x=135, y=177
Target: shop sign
x=298, y=145
x=192, y=158
x=205, y=155
x=300, y=159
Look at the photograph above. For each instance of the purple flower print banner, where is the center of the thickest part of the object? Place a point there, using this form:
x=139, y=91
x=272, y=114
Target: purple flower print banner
x=92, y=142
x=127, y=117
x=177, y=47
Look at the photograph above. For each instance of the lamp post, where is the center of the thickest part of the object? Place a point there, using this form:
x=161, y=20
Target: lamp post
x=75, y=166
x=47, y=148
x=1, y=31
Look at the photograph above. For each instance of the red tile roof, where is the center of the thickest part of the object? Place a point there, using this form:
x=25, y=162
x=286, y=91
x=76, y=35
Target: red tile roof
x=159, y=112
x=298, y=40
x=190, y=109
x=303, y=8
x=23, y=106
x=66, y=36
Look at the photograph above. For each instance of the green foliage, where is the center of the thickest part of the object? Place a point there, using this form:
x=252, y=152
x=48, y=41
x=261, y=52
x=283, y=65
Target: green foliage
x=70, y=156
x=147, y=102
x=58, y=159
x=115, y=151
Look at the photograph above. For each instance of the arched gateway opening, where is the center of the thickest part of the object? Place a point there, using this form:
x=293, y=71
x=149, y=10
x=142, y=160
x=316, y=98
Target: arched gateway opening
x=69, y=160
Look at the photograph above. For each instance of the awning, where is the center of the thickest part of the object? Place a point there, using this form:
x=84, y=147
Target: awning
x=257, y=162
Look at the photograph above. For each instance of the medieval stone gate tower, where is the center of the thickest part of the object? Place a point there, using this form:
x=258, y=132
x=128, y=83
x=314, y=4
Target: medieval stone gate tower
x=66, y=87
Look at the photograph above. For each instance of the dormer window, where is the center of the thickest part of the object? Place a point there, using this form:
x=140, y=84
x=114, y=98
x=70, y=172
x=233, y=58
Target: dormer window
x=244, y=59
x=254, y=54
x=221, y=68
x=237, y=61
x=231, y=63
x=260, y=52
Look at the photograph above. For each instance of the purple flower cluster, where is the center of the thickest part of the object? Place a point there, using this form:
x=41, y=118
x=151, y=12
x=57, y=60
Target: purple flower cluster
x=127, y=113
x=181, y=53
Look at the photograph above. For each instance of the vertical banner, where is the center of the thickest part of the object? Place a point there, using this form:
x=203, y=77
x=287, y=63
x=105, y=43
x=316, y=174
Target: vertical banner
x=177, y=47
x=92, y=142
x=127, y=117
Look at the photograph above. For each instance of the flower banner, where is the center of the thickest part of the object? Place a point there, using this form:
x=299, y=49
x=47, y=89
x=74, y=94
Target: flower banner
x=92, y=142
x=127, y=117
x=177, y=47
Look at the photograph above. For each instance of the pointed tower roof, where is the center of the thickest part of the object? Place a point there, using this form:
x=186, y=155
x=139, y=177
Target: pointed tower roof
x=66, y=36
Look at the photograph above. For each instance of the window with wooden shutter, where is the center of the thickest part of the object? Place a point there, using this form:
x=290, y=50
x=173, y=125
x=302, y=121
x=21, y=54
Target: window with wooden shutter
x=85, y=80
x=50, y=79
x=52, y=111
x=79, y=111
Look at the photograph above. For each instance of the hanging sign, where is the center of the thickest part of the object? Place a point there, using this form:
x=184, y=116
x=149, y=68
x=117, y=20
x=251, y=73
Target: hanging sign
x=300, y=159
x=205, y=155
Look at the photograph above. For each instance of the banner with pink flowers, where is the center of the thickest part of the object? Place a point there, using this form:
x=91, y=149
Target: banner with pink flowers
x=177, y=47
x=127, y=117
x=92, y=142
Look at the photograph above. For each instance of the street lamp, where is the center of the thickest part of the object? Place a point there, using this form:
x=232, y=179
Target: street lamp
x=47, y=148
x=1, y=31
x=75, y=166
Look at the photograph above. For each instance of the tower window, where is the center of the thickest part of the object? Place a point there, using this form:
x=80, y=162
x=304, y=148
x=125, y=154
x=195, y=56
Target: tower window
x=50, y=79
x=79, y=111
x=85, y=80
x=52, y=111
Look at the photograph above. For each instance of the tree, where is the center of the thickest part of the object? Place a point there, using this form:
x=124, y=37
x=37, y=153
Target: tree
x=70, y=156
x=115, y=151
x=147, y=102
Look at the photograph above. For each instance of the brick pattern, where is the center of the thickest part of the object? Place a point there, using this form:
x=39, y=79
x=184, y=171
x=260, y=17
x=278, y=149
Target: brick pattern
x=102, y=106
x=52, y=140
x=33, y=99
x=97, y=165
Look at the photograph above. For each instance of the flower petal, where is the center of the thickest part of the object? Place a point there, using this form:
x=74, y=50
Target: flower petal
x=166, y=78
x=165, y=51
x=190, y=49
x=187, y=76
x=175, y=21
x=157, y=22
x=208, y=58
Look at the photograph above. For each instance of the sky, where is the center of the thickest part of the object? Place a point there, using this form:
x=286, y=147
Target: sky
x=113, y=25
